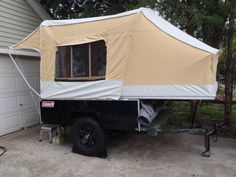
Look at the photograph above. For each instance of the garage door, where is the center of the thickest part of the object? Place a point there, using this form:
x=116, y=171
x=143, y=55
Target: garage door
x=17, y=104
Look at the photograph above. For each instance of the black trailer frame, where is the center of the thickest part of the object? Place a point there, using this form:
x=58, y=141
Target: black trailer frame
x=92, y=119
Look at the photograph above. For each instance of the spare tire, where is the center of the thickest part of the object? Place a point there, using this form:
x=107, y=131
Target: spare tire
x=88, y=137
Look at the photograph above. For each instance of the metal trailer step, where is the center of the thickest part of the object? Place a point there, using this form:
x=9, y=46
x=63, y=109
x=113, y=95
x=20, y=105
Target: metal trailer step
x=51, y=129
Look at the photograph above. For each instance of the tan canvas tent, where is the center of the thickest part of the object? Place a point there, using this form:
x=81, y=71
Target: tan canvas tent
x=132, y=55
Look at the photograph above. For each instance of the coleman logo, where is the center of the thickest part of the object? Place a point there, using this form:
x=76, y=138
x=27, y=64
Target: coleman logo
x=48, y=104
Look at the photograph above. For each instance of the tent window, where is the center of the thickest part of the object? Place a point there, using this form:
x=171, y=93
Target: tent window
x=63, y=64
x=81, y=62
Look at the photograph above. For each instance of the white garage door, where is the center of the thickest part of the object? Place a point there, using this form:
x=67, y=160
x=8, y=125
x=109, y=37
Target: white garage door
x=17, y=105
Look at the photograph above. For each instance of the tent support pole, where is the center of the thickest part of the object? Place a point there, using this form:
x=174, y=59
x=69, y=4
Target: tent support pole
x=194, y=114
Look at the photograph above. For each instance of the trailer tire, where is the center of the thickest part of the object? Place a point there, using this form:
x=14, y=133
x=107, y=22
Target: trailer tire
x=88, y=137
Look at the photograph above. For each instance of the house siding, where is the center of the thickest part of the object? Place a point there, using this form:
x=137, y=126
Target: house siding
x=17, y=20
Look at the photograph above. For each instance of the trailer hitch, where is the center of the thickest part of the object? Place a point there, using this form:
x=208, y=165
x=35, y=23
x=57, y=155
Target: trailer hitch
x=214, y=134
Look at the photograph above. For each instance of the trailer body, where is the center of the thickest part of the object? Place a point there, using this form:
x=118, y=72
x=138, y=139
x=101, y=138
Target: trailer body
x=111, y=115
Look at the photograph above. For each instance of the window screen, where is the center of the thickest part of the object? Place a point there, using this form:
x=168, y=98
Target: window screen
x=81, y=62
x=63, y=62
x=98, y=58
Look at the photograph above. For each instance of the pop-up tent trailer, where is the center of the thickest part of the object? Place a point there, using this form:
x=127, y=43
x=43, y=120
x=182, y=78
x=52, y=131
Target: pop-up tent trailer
x=109, y=73
x=132, y=55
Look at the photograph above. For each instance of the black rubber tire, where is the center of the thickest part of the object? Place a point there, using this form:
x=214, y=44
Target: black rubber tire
x=98, y=143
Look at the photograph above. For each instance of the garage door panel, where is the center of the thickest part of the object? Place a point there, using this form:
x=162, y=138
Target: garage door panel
x=23, y=85
x=30, y=69
x=36, y=64
x=11, y=122
x=8, y=83
x=37, y=83
x=29, y=118
x=27, y=66
x=7, y=67
x=34, y=83
x=5, y=71
x=6, y=64
x=9, y=103
x=27, y=100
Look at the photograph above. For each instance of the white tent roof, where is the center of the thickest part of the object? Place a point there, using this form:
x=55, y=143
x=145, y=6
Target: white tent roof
x=153, y=17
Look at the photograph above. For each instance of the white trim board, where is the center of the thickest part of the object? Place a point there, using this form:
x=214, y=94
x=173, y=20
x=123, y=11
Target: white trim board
x=19, y=52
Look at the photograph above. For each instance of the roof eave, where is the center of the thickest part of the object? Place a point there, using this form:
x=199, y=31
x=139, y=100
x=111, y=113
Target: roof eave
x=39, y=10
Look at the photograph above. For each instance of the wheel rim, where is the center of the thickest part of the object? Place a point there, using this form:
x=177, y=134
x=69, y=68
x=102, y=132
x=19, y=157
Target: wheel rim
x=87, y=136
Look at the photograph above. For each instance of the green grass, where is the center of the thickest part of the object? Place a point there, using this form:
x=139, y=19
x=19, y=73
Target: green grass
x=212, y=111
x=215, y=111
x=180, y=114
x=181, y=111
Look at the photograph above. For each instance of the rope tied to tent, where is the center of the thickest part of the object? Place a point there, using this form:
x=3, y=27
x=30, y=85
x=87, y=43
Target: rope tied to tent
x=22, y=75
x=32, y=90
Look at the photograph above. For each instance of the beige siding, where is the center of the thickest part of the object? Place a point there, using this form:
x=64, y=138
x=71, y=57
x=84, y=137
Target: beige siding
x=17, y=20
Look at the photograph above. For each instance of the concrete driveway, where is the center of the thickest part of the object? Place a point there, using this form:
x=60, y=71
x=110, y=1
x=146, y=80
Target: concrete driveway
x=132, y=155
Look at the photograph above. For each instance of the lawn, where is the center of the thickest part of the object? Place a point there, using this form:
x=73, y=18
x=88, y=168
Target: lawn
x=181, y=111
